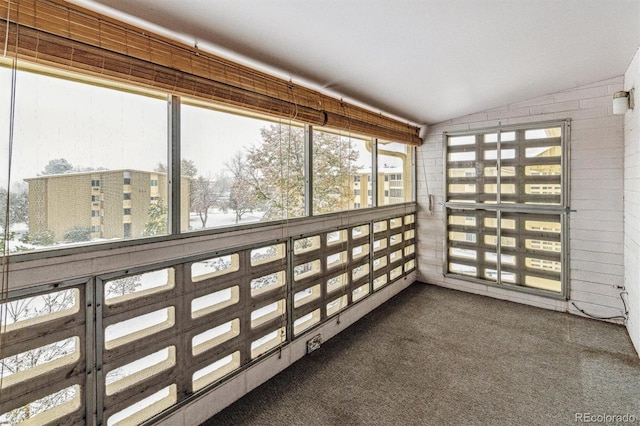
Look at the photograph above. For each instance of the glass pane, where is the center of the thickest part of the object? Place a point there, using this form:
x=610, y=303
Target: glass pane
x=341, y=172
x=84, y=166
x=394, y=173
x=240, y=169
x=471, y=234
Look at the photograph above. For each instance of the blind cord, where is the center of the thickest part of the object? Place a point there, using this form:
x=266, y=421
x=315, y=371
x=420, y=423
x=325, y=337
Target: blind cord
x=6, y=36
x=4, y=278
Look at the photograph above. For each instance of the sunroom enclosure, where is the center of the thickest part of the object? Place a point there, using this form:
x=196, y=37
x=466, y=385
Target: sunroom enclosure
x=171, y=221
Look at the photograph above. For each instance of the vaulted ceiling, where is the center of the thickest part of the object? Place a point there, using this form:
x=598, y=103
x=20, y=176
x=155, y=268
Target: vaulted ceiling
x=423, y=61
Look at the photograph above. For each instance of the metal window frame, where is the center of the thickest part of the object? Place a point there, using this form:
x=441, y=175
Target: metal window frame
x=174, y=104
x=563, y=209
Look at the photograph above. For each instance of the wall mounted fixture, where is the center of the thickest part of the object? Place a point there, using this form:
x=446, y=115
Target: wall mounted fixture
x=623, y=101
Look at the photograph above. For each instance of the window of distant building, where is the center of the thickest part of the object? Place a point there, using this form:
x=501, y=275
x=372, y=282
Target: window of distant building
x=506, y=207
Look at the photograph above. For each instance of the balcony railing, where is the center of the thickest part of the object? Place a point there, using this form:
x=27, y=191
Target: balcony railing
x=122, y=346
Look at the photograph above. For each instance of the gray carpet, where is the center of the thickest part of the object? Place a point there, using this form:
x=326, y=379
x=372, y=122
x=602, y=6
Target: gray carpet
x=433, y=356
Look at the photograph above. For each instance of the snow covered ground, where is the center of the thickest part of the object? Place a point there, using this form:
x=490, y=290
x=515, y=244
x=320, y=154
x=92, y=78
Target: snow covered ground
x=218, y=218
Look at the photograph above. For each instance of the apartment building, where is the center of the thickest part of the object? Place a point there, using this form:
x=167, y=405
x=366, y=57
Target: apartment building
x=110, y=203
x=392, y=190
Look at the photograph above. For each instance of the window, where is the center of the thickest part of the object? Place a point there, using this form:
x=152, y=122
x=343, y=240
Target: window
x=506, y=207
x=395, y=163
x=396, y=193
x=239, y=169
x=386, y=192
x=95, y=229
x=127, y=212
x=339, y=161
x=258, y=176
x=72, y=142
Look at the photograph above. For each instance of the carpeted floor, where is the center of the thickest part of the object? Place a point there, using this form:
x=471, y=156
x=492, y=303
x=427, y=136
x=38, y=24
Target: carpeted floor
x=433, y=356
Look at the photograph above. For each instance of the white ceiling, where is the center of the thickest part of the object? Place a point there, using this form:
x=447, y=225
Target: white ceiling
x=423, y=61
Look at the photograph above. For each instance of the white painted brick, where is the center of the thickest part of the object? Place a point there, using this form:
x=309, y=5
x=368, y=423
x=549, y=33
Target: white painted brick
x=597, y=195
x=508, y=113
x=601, y=163
x=580, y=205
x=632, y=203
x=470, y=118
x=596, y=133
x=597, y=225
x=597, y=278
x=597, y=267
x=603, y=101
x=597, y=256
x=598, y=247
x=593, y=238
x=542, y=100
x=582, y=93
x=555, y=107
x=597, y=182
x=580, y=287
x=611, y=123
x=598, y=152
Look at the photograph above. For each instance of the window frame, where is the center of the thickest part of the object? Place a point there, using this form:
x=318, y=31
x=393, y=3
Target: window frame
x=562, y=209
x=173, y=103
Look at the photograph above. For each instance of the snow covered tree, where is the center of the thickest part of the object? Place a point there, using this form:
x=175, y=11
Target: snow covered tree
x=18, y=205
x=242, y=196
x=157, y=224
x=57, y=166
x=275, y=171
x=78, y=234
x=206, y=193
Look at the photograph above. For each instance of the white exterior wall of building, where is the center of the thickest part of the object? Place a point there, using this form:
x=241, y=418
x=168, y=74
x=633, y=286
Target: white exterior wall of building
x=596, y=226
x=632, y=202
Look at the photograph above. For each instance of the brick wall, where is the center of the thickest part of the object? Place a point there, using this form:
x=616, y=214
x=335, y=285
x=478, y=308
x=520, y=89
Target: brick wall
x=596, y=228
x=632, y=202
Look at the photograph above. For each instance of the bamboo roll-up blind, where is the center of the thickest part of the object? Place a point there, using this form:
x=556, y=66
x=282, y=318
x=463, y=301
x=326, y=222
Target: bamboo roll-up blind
x=67, y=36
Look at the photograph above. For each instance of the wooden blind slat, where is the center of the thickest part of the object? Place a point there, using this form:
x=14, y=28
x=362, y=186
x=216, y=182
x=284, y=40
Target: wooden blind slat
x=67, y=36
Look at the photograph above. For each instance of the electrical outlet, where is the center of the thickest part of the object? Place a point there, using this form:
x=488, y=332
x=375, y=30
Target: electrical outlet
x=314, y=343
